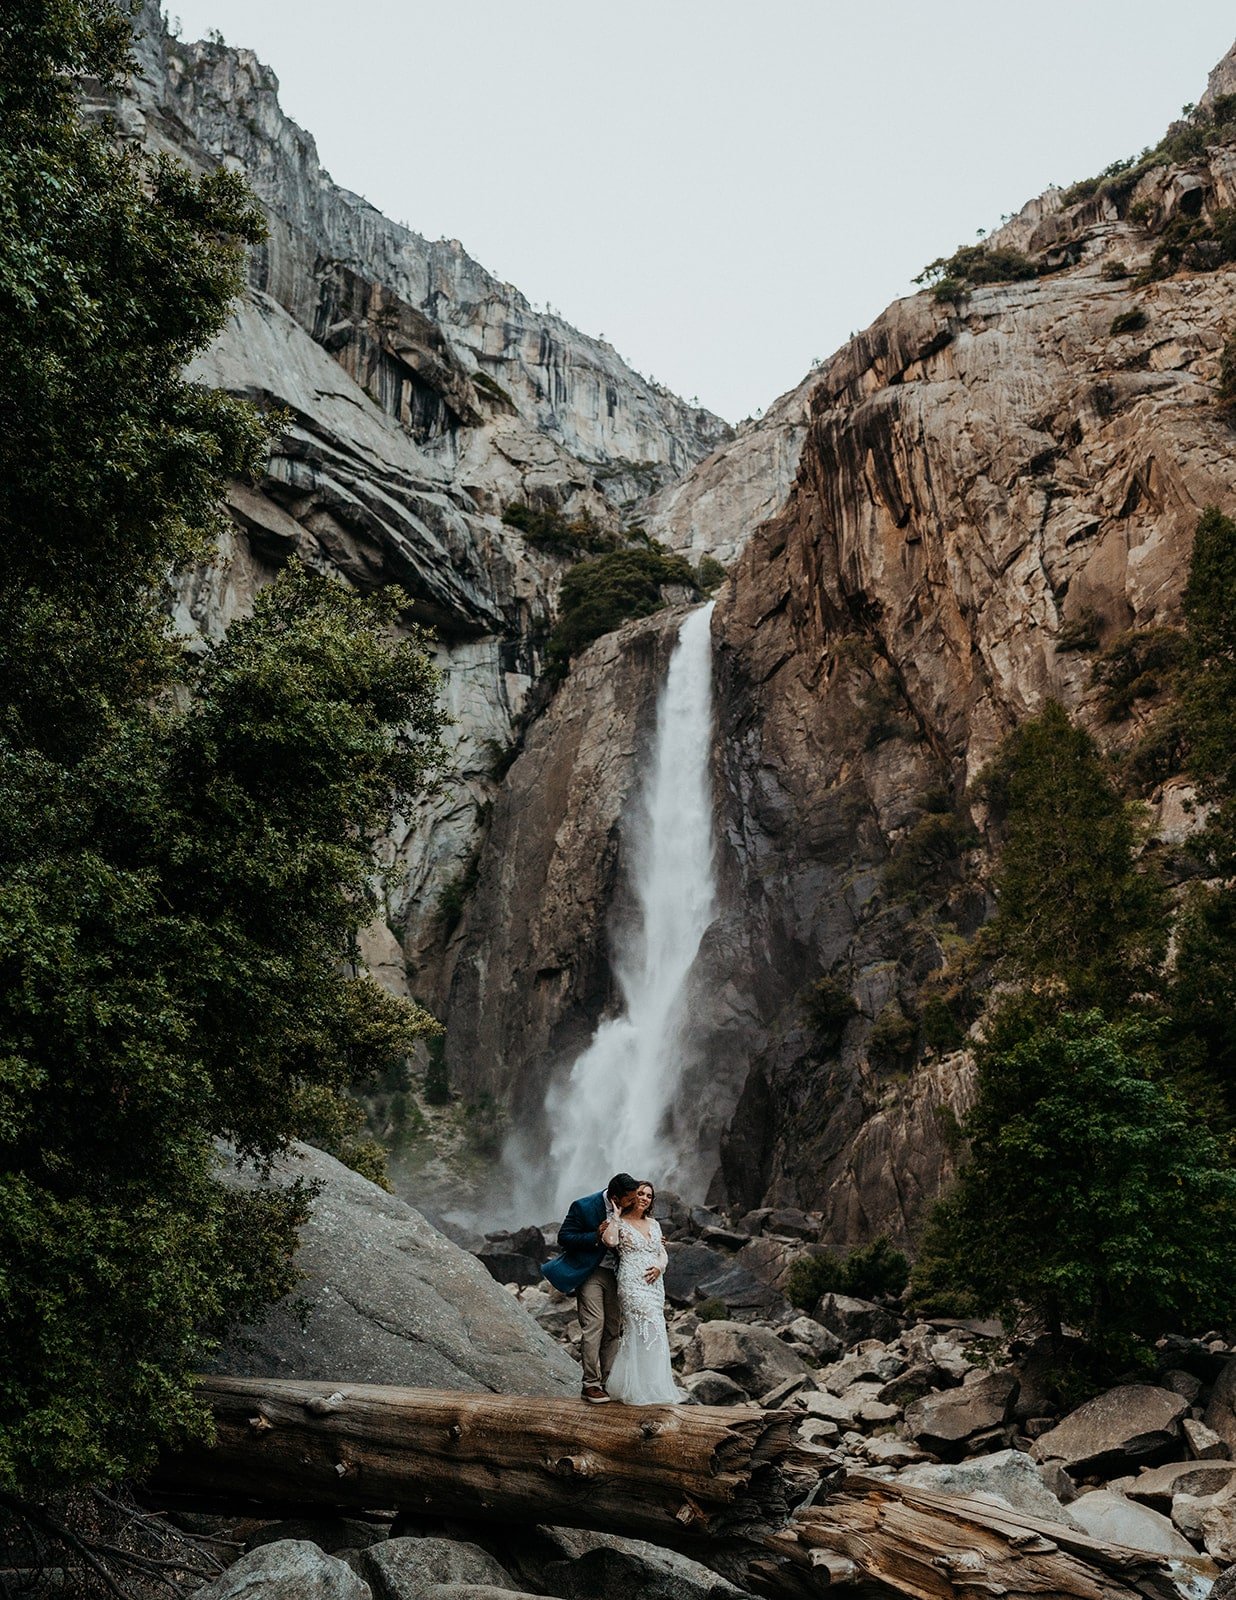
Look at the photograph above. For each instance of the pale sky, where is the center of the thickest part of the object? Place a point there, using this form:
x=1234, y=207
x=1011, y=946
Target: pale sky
x=725, y=189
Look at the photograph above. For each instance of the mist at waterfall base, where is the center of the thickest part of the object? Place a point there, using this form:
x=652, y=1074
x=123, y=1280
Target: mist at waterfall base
x=611, y=1112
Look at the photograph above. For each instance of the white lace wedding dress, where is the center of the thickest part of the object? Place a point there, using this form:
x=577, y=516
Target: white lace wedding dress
x=641, y=1374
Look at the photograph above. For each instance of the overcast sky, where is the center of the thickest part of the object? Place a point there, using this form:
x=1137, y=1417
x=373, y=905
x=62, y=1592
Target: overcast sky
x=725, y=189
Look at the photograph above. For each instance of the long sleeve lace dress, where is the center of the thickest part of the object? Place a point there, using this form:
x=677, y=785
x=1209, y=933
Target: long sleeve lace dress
x=641, y=1374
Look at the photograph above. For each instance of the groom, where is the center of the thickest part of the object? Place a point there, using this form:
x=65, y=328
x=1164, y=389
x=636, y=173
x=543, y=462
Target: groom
x=588, y=1269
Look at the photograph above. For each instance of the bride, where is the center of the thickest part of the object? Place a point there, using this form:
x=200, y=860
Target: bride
x=641, y=1374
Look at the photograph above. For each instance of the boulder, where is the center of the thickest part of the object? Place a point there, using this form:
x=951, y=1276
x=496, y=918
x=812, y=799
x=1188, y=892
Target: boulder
x=288, y=1569
x=1203, y=1443
x=390, y=1300
x=886, y=1451
x=793, y=1224
x=1113, y=1519
x=853, y=1320
x=806, y=1330
x=1220, y=1413
x=1224, y=1586
x=1008, y=1476
x=405, y=1569
x=753, y=1357
x=514, y=1257
x=1130, y=1426
x=1182, y=1383
x=945, y=1421
x=724, y=1238
x=714, y=1389
x=1218, y=1521
x=1158, y=1486
x=697, y=1272
x=331, y=1534
x=869, y=1362
x=639, y=1570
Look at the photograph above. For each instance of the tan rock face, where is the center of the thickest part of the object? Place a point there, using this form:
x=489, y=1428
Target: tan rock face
x=975, y=478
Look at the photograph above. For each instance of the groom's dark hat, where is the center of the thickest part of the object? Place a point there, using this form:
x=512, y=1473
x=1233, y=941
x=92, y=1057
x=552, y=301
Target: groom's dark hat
x=621, y=1183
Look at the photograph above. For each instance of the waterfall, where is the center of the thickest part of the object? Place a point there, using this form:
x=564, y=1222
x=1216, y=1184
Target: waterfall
x=609, y=1113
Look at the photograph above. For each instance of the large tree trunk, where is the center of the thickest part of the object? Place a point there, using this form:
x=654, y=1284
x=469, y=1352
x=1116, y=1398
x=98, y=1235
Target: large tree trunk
x=729, y=1484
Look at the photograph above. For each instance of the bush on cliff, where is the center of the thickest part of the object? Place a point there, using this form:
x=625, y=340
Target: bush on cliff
x=1073, y=908
x=185, y=845
x=600, y=595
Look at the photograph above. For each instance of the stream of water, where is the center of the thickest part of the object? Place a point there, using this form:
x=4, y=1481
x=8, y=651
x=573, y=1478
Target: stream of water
x=609, y=1113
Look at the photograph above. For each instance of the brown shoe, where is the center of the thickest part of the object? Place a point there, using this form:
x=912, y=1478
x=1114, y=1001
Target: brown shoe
x=594, y=1394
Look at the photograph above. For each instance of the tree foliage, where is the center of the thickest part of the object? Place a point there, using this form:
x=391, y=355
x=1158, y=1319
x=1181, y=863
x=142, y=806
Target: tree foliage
x=601, y=594
x=1072, y=908
x=1093, y=1194
x=185, y=844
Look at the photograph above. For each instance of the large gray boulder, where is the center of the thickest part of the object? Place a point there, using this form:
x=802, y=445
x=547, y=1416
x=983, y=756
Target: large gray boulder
x=390, y=1300
x=695, y=1272
x=642, y=1571
x=1006, y=1475
x=406, y=1569
x=1220, y=1413
x=289, y=1569
x=944, y=1422
x=753, y=1357
x=853, y=1320
x=1130, y=1426
x=1110, y=1518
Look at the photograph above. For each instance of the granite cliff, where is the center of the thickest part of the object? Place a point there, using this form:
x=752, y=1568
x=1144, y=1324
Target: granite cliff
x=423, y=397
x=971, y=500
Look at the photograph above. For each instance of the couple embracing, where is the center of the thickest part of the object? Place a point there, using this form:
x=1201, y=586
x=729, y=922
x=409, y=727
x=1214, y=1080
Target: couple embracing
x=612, y=1261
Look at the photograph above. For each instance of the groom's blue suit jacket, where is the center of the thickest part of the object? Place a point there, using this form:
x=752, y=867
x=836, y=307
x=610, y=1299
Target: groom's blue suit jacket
x=577, y=1239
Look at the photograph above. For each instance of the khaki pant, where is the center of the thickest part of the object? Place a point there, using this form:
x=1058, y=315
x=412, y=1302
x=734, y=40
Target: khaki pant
x=600, y=1323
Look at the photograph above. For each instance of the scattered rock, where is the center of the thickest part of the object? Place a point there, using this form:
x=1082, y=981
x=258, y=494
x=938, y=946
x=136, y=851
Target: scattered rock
x=1158, y=1486
x=1204, y=1444
x=852, y=1320
x=752, y=1356
x=724, y=1238
x=824, y=1344
x=778, y=1396
x=1112, y=1519
x=1183, y=1383
x=403, y=1569
x=886, y=1451
x=1058, y=1482
x=1130, y=1426
x=944, y=1422
x=288, y=1569
x=715, y=1389
x=1218, y=1519
x=819, y=1430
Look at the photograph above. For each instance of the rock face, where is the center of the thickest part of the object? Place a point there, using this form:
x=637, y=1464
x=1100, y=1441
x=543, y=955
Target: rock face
x=390, y=1300
x=979, y=477
x=424, y=395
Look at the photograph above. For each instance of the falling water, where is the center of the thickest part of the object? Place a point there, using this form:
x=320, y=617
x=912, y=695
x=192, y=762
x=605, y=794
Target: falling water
x=610, y=1112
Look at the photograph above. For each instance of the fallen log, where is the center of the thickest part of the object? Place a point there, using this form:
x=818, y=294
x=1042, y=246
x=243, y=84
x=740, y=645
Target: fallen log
x=730, y=1485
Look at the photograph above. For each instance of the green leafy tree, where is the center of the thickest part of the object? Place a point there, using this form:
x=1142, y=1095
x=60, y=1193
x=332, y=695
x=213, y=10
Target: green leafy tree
x=185, y=848
x=1072, y=908
x=1093, y=1194
x=601, y=594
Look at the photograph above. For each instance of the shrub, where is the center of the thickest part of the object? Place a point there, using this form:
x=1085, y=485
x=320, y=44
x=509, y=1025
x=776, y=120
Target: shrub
x=713, y=1309
x=550, y=530
x=437, y=1080
x=1135, y=665
x=1071, y=906
x=827, y=1005
x=1114, y=269
x=941, y=1030
x=893, y=1036
x=923, y=857
x=601, y=594
x=1081, y=633
x=810, y=1277
x=484, y=1127
x=876, y=1269
x=709, y=575
x=1129, y=322
x=455, y=895
x=1226, y=386
x=975, y=264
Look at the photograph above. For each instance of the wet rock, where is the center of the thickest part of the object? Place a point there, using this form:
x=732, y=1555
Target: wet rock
x=1112, y=1519
x=288, y=1569
x=853, y=1320
x=405, y=1569
x=1007, y=1475
x=751, y=1356
x=1130, y=1426
x=944, y=1423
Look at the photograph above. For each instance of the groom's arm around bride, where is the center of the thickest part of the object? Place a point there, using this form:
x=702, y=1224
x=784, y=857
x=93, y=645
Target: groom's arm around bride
x=587, y=1269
